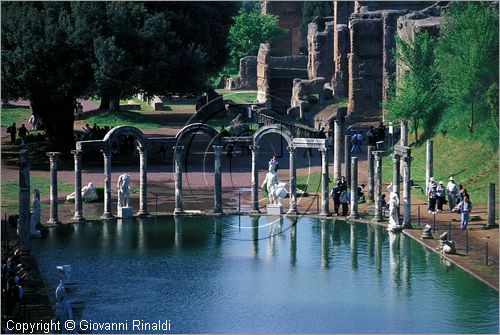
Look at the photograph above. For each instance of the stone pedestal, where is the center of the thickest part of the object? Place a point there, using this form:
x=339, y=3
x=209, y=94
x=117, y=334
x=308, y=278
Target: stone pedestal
x=124, y=212
x=274, y=209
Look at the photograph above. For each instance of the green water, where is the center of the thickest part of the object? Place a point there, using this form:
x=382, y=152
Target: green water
x=240, y=274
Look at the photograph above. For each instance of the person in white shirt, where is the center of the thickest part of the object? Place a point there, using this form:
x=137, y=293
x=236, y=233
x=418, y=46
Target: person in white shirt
x=451, y=189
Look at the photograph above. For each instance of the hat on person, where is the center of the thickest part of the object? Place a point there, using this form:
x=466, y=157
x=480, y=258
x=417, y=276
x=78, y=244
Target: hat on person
x=440, y=183
x=451, y=178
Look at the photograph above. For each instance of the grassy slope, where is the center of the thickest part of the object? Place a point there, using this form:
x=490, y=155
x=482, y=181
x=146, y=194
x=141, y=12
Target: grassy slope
x=17, y=115
x=471, y=163
x=120, y=118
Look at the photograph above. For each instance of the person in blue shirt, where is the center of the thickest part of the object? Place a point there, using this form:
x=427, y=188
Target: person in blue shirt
x=465, y=207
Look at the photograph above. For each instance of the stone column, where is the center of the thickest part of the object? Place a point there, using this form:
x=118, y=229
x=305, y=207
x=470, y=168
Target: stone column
x=370, y=197
x=78, y=186
x=293, y=182
x=428, y=162
x=107, y=185
x=396, y=176
x=23, y=225
x=491, y=206
x=217, y=180
x=337, y=150
x=178, y=180
x=143, y=186
x=407, y=190
x=404, y=133
x=324, y=182
x=354, y=188
x=347, y=159
x=255, y=179
x=53, y=156
x=378, y=186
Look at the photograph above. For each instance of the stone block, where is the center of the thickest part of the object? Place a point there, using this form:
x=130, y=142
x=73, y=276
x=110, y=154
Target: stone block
x=124, y=212
x=274, y=209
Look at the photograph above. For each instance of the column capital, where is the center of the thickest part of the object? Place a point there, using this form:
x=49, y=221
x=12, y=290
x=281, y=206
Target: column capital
x=217, y=148
x=254, y=147
x=77, y=152
x=106, y=152
x=377, y=154
x=396, y=158
x=53, y=154
x=323, y=150
x=291, y=150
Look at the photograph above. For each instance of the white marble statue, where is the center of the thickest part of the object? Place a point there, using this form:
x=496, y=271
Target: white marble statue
x=123, y=186
x=35, y=214
x=393, y=210
x=63, y=310
x=276, y=190
x=89, y=193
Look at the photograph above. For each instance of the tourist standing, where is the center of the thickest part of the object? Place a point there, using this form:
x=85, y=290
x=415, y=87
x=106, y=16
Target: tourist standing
x=335, y=193
x=23, y=131
x=431, y=195
x=465, y=207
x=370, y=136
x=12, y=130
x=344, y=201
x=451, y=189
x=441, y=196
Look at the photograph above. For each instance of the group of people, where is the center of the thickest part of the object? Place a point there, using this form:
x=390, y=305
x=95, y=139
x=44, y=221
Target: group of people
x=341, y=196
x=373, y=135
x=458, y=199
x=77, y=109
x=94, y=133
x=15, y=132
x=14, y=275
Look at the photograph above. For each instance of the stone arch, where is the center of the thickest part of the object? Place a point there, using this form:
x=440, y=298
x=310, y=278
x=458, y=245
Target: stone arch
x=273, y=129
x=113, y=134
x=195, y=128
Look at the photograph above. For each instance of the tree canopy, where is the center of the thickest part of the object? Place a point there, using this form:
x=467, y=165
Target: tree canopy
x=451, y=84
x=249, y=30
x=55, y=52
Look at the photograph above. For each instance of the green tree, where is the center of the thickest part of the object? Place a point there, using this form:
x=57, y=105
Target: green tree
x=249, y=30
x=467, y=62
x=416, y=98
x=55, y=52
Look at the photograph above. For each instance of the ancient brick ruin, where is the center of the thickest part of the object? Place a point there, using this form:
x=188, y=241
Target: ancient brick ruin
x=247, y=79
x=320, y=48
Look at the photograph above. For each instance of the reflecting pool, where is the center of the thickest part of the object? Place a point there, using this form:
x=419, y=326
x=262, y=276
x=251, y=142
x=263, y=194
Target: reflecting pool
x=241, y=274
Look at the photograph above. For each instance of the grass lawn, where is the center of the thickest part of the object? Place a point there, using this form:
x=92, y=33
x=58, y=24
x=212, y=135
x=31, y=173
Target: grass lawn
x=10, y=192
x=472, y=164
x=120, y=118
x=312, y=182
x=238, y=97
x=15, y=114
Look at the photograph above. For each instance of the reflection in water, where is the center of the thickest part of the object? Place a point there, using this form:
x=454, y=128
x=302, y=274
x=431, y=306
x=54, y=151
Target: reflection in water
x=354, y=245
x=293, y=240
x=207, y=275
x=394, y=239
x=255, y=235
x=179, y=228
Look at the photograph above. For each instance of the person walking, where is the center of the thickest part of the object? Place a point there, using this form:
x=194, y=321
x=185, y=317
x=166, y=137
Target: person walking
x=12, y=130
x=431, y=195
x=441, y=196
x=451, y=189
x=465, y=207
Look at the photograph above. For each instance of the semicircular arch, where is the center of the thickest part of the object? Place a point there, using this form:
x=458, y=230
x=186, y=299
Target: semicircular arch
x=273, y=129
x=198, y=128
x=113, y=134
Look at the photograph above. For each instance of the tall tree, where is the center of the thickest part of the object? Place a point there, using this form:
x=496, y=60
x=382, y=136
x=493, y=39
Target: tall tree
x=416, y=97
x=467, y=62
x=54, y=52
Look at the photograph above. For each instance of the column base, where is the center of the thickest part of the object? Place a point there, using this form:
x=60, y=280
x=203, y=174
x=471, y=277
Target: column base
x=78, y=218
x=377, y=219
x=178, y=211
x=217, y=211
x=407, y=226
x=142, y=213
x=106, y=216
x=491, y=226
x=353, y=216
x=53, y=221
x=324, y=214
